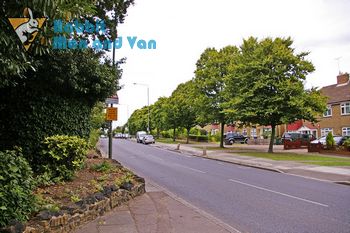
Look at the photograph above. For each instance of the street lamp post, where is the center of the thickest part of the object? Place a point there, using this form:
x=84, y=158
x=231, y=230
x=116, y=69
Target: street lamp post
x=148, y=115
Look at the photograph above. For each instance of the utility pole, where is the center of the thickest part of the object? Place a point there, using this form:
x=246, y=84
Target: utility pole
x=110, y=133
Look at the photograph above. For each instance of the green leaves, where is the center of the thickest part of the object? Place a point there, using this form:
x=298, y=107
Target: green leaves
x=62, y=155
x=16, y=187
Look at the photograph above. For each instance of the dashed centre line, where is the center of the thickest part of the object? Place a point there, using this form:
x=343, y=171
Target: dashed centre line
x=279, y=193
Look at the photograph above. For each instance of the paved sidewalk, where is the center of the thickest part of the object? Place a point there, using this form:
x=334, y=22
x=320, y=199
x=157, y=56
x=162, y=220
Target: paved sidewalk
x=156, y=212
x=332, y=174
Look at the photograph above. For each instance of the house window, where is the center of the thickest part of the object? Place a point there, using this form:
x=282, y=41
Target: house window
x=325, y=131
x=345, y=108
x=328, y=112
x=346, y=131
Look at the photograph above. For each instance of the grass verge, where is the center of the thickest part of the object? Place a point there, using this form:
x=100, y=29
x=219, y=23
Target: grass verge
x=307, y=159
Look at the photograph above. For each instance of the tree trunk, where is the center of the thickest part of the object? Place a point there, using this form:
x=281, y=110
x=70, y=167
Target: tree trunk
x=272, y=138
x=188, y=136
x=158, y=133
x=222, y=134
x=174, y=136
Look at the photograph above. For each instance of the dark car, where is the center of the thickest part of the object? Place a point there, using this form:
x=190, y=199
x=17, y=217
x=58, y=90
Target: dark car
x=295, y=136
x=231, y=138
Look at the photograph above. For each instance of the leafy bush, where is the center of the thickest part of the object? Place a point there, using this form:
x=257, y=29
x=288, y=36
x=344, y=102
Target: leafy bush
x=199, y=138
x=102, y=167
x=166, y=134
x=215, y=137
x=330, y=140
x=63, y=155
x=16, y=187
x=39, y=115
x=347, y=143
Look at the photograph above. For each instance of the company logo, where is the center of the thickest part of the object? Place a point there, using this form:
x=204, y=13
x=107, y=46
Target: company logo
x=67, y=36
x=27, y=28
x=74, y=34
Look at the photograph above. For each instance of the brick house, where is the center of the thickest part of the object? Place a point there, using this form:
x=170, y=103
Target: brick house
x=302, y=126
x=336, y=118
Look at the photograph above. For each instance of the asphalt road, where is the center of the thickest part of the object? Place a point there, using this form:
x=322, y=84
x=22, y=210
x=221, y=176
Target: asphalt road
x=248, y=199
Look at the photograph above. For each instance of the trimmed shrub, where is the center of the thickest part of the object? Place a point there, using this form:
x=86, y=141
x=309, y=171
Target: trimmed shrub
x=16, y=188
x=330, y=141
x=199, y=138
x=347, y=144
x=215, y=137
x=63, y=155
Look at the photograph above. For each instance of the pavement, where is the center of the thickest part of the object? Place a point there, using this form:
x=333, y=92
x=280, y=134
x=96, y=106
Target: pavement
x=159, y=211
x=156, y=211
x=339, y=175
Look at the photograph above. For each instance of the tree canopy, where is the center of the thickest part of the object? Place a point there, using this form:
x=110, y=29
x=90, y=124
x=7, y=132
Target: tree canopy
x=212, y=69
x=271, y=76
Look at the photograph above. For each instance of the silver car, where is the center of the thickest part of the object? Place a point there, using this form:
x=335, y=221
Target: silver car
x=147, y=139
x=338, y=140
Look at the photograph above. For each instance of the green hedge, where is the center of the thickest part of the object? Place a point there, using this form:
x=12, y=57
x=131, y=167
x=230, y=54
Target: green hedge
x=16, y=188
x=37, y=115
x=62, y=156
x=199, y=138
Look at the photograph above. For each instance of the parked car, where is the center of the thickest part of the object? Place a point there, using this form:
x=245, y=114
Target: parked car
x=147, y=139
x=140, y=135
x=118, y=135
x=339, y=140
x=231, y=138
x=293, y=136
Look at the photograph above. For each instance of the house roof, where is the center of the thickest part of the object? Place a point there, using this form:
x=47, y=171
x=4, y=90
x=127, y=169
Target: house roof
x=337, y=93
x=300, y=125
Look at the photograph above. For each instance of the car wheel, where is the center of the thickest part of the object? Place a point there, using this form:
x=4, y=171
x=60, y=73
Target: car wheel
x=231, y=142
x=246, y=141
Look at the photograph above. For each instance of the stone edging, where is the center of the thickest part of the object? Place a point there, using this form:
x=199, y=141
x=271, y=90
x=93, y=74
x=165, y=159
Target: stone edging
x=70, y=218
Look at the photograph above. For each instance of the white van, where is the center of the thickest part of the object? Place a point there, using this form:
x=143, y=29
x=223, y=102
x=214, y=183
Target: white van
x=140, y=135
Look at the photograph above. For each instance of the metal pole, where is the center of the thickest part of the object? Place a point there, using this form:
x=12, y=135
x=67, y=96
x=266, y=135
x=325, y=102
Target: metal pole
x=110, y=134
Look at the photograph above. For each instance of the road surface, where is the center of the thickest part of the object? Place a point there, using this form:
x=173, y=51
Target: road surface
x=248, y=199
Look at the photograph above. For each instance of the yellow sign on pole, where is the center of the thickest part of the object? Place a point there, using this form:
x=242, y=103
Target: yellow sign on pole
x=112, y=114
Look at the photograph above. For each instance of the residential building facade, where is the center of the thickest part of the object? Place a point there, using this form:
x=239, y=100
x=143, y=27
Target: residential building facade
x=336, y=118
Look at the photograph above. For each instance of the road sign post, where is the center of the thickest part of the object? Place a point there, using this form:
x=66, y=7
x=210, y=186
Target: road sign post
x=111, y=115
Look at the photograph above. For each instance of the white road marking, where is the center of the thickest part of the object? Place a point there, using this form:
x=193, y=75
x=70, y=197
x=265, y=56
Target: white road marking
x=283, y=194
x=156, y=158
x=193, y=169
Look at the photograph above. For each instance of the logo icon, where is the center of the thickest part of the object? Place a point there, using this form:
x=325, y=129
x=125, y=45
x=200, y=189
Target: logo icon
x=27, y=28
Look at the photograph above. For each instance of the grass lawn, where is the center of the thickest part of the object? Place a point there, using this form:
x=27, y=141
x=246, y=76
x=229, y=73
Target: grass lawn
x=308, y=159
x=170, y=141
x=228, y=148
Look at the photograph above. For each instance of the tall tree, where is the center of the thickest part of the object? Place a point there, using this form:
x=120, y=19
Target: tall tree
x=138, y=120
x=212, y=68
x=158, y=115
x=270, y=77
x=185, y=98
x=172, y=115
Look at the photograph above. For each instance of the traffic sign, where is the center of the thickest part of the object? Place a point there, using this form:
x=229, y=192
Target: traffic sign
x=112, y=114
x=112, y=100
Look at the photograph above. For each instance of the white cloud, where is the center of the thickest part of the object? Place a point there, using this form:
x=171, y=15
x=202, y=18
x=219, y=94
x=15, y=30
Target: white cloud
x=184, y=28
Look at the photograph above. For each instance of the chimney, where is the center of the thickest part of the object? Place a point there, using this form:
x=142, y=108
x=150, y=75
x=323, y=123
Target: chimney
x=342, y=79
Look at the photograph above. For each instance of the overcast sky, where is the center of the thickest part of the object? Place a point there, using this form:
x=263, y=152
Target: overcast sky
x=184, y=28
